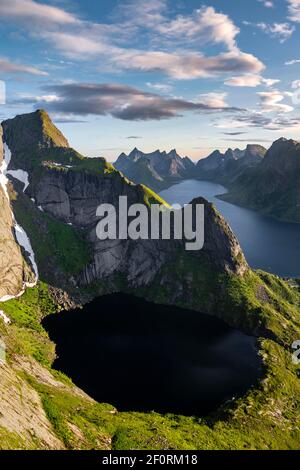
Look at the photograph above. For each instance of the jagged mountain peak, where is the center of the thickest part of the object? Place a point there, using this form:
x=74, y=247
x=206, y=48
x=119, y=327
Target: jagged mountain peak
x=284, y=155
x=156, y=169
x=35, y=130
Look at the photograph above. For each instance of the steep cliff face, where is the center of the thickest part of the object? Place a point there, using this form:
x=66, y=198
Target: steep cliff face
x=58, y=210
x=13, y=270
x=273, y=186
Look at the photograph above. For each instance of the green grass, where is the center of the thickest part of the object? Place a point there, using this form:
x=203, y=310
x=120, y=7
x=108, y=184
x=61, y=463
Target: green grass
x=150, y=197
x=54, y=242
x=26, y=336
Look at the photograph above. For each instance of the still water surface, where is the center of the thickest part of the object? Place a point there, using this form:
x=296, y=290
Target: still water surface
x=267, y=243
x=141, y=356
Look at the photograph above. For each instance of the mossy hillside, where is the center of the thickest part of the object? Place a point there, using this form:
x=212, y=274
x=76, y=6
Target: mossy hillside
x=71, y=160
x=150, y=197
x=10, y=440
x=25, y=335
x=56, y=244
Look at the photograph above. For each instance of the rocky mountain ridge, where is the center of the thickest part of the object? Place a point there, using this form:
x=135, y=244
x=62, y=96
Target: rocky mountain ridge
x=273, y=186
x=225, y=168
x=156, y=169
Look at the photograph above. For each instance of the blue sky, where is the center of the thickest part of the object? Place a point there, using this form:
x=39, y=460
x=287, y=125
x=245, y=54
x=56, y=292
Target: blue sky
x=185, y=74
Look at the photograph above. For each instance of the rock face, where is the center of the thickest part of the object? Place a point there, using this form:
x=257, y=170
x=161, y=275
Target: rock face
x=66, y=188
x=13, y=271
x=157, y=169
x=226, y=168
x=273, y=186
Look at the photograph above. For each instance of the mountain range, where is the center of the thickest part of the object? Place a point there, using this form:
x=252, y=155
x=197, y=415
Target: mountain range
x=264, y=180
x=157, y=170
x=51, y=259
x=225, y=168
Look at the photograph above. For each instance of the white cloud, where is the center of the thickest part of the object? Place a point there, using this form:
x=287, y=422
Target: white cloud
x=190, y=65
x=25, y=98
x=269, y=82
x=173, y=45
x=272, y=101
x=282, y=31
x=75, y=46
x=258, y=120
x=294, y=10
x=32, y=11
x=205, y=24
x=10, y=67
x=267, y=3
x=214, y=100
x=292, y=62
x=250, y=81
x=244, y=81
x=162, y=87
x=296, y=84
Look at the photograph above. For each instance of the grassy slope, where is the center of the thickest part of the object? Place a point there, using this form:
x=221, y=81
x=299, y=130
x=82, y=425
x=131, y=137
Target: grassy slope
x=54, y=243
x=267, y=418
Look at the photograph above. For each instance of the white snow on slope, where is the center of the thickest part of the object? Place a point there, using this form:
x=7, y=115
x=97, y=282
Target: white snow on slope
x=24, y=241
x=3, y=169
x=4, y=318
x=21, y=236
x=20, y=175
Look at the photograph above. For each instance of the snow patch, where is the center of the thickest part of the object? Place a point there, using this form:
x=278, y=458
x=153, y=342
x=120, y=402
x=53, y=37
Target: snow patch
x=20, y=175
x=4, y=318
x=3, y=169
x=21, y=236
x=61, y=165
x=24, y=241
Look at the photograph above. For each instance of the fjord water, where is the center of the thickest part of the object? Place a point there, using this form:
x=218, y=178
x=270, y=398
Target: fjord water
x=141, y=356
x=268, y=244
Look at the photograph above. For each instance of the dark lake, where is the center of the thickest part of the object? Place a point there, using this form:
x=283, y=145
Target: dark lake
x=141, y=356
x=267, y=243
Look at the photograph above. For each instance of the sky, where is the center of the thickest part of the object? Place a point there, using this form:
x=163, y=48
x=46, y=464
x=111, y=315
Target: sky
x=161, y=74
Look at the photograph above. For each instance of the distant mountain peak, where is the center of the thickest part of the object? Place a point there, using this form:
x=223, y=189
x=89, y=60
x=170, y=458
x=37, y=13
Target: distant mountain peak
x=157, y=169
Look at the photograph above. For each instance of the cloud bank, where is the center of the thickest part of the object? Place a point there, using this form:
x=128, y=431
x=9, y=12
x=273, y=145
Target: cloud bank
x=124, y=102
